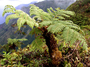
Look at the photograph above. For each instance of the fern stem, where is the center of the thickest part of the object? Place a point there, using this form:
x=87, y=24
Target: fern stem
x=54, y=53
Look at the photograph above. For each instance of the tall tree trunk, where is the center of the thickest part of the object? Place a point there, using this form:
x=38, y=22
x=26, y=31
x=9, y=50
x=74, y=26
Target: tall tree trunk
x=54, y=53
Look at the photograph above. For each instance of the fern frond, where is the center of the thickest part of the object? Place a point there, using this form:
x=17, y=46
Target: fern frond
x=56, y=15
x=61, y=24
x=30, y=24
x=35, y=10
x=38, y=43
x=67, y=12
x=20, y=23
x=12, y=16
x=65, y=15
x=23, y=17
x=70, y=35
x=50, y=12
x=36, y=25
x=60, y=13
x=35, y=31
x=61, y=18
x=67, y=34
x=45, y=23
x=64, y=12
x=22, y=14
x=8, y=9
x=55, y=28
x=11, y=41
x=39, y=13
x=52, y=9
x=58, y=26
x=22, y=39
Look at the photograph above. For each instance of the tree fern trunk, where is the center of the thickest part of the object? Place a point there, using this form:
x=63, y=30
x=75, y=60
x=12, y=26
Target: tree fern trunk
x=55, y=54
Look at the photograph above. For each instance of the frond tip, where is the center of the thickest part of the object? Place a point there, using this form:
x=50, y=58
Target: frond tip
x=12, y=16
x=22, y=17
x=8, y=9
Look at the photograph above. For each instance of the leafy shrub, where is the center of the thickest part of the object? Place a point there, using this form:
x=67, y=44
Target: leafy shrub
x=12, y=44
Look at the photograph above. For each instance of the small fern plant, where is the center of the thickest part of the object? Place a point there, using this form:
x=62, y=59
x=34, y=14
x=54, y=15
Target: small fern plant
x=48, y=27
x=12, y=44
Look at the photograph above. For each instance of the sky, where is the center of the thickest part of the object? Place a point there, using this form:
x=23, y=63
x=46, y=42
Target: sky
x=13, y=3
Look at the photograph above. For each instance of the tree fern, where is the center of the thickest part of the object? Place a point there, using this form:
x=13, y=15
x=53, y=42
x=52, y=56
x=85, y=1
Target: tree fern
x=47, y=27
x=53, y=19
x=56, y=24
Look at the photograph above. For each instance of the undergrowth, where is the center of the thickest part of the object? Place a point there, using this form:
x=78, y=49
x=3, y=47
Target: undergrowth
x=72, y=57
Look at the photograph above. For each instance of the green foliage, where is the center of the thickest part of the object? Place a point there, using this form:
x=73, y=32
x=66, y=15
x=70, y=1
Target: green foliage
x=51, y=15
x=80, y=19
x=12, y=43
x=82, y=10
x=8, y=9
x=55, y=25
x=84, y=1
x=87, y=10
x=23, y=17
x=10, y=59
x=30, y=58
x=24, y=58
x=80, y=64
x=38, y=42
x=55, y=21
x=7, y=57
x=68, y=65
x=35, y=31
